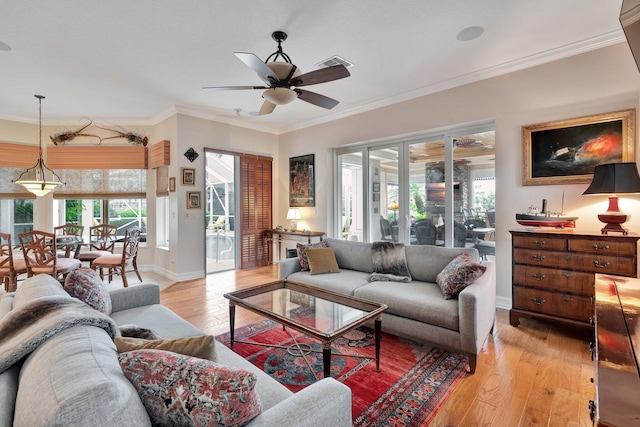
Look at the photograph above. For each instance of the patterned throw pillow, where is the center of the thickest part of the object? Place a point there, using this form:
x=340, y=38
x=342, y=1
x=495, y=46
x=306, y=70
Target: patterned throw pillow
x=186, y=391
x=302, y=252
x=85, y=284
x=458, y=274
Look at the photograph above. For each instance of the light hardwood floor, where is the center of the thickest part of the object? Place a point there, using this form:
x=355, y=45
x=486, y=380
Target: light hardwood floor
x=538, y=374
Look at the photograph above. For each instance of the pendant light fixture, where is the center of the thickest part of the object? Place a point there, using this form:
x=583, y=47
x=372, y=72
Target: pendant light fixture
x=39, y=185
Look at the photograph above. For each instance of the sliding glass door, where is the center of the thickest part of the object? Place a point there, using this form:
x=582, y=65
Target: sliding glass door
x=409, y=191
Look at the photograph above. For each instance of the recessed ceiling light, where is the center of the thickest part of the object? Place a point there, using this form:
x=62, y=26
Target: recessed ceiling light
x=470, y=33
x=4, y=46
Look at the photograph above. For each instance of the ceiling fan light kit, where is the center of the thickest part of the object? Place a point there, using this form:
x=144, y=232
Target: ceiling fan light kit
x=284, y=79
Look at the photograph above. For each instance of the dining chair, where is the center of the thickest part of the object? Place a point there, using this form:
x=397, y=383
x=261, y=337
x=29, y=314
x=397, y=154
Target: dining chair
x=10, y=267
x=102, y=240
x=39, y=250
x=68, y=239
x=118, y=263
x=426, y=232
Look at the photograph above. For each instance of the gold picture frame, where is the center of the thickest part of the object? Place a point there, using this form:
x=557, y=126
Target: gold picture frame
x=188, y=176
x=172, y=184
x=193, y=199
x=567, y=151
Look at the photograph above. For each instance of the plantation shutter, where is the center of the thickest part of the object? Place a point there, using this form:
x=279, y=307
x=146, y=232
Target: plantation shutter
x=255, y=208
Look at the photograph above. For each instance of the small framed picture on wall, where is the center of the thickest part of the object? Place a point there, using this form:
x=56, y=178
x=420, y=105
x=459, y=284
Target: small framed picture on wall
x=193, y=199
x=188, y=176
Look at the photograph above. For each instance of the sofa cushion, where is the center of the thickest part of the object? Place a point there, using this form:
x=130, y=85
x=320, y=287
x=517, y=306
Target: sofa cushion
x=352, y=255
x=458, y=274
x=420, y=301
x=389, y=262
x=86, y=285
x=346, y=283
x=39, y=286
x=425, y=262
x=302, y=252
x=8, y=391
x=187, y=391
x=202, y=347
x=74, y=379
x=322, y=261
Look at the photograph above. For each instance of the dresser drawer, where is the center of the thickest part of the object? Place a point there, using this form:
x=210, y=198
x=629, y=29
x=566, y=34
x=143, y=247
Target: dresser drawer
x=594, y=263
x=575, y=307
x=601, y=246
x=540, y=242
x=575, y=282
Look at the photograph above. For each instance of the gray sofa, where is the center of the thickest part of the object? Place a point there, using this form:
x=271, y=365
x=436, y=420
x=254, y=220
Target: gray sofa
x=417, y=309
x=74, y=377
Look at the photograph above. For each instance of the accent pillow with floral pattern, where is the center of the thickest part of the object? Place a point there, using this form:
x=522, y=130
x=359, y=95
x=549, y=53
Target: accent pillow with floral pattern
x=86, y=285
x=458, y=274
x=179, y=390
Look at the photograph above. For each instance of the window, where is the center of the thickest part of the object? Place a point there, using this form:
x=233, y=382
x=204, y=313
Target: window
x=16, y=216
x=433, y=177
x=123, y=213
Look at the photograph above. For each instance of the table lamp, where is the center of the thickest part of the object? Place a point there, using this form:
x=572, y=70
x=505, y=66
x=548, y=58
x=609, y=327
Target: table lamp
x=613, y=179
x=293, y=214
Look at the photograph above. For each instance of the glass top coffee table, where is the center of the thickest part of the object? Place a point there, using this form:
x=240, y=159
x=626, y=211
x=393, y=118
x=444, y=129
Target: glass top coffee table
x=319, y=314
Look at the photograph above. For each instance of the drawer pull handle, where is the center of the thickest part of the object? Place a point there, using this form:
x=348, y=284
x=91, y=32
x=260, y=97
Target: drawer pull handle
x=567, y=298
x=537, y=301
x=567, y=274
x=538, y=242
x=534, y=276
x=592, y=411
x=603, y=247
x=538, y=257
x=603, y=265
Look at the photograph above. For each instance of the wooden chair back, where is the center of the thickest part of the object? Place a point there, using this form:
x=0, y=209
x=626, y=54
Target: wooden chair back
x=39, y=250
x=103, y=237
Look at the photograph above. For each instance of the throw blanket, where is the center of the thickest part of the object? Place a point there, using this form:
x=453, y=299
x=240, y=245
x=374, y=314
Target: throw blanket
x=23, y=329
x=389, y=262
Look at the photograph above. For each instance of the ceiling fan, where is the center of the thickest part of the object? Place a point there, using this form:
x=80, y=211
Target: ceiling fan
x=283, y=79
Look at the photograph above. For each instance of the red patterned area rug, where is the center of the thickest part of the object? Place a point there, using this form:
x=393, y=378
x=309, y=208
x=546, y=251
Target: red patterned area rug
x=413, y=382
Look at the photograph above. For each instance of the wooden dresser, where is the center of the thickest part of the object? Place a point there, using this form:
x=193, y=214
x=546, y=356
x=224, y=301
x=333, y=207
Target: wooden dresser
x=553, y=271
x=617, y=330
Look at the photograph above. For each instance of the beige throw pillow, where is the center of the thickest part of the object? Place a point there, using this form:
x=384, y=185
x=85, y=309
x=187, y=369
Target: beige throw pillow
x=322, y=260
x=202, y=347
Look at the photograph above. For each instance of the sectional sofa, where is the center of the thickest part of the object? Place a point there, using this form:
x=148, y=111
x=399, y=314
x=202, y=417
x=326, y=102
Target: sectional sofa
x=74, y=376
x=417, y=309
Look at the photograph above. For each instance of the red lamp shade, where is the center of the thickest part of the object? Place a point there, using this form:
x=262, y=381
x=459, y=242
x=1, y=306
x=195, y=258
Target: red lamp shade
x=612, y=179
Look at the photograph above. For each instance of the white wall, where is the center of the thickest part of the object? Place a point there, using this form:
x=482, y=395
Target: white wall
x=595, y=82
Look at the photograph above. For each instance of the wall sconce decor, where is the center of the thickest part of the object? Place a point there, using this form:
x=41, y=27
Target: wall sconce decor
x=613, y=179
x=293, y=214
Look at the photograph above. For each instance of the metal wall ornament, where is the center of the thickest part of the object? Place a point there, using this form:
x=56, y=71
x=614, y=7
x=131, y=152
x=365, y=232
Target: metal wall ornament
x=62, y=138
x=191, y=154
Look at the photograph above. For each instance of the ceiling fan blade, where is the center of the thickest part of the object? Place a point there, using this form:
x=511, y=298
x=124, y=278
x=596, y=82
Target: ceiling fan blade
x=258, y=66
x=323, y=75
x=235, y=87
x=316, y=99
x=267, y=108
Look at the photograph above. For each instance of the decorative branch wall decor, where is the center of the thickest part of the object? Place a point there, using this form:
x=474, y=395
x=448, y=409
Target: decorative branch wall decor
x=64, y=137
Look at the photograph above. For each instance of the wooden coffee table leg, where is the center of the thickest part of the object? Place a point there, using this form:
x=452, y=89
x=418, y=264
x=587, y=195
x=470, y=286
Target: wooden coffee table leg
x=326, y=359
x=378, y=327
x=232, y=322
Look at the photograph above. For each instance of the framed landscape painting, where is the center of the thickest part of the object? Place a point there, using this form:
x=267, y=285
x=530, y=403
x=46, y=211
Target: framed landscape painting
x=567, y=151
x=301, y=181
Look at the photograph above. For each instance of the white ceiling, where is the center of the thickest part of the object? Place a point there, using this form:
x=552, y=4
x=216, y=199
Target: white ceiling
x=136, y=62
